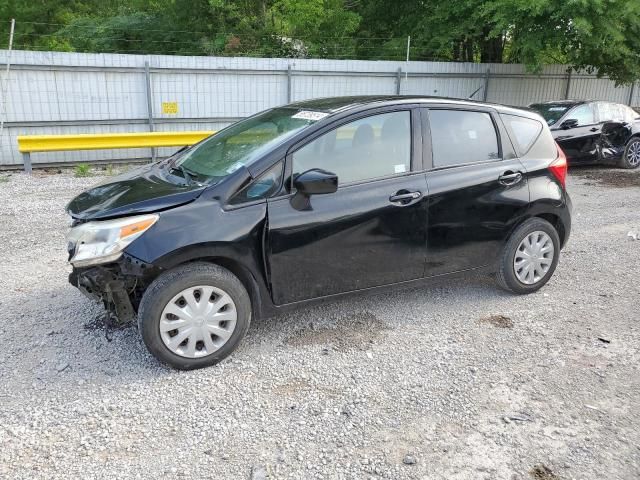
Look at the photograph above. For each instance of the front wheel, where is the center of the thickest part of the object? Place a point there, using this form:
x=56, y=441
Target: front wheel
x=194, y=315
x=631, y=157
x=530, y=257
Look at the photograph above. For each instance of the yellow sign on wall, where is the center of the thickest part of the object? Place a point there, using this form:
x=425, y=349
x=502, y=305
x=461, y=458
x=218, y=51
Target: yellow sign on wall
x=170, y=108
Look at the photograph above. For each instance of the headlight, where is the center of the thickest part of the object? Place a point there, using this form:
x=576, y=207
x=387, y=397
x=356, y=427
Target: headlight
x=103, y=241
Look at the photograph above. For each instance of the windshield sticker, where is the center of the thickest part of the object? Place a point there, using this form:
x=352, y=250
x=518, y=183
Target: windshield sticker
x=473, y=134
x=557, y=109
x=401, y=168
x=309, y=115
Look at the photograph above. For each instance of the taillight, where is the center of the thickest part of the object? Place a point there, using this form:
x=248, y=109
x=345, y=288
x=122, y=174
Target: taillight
x=559, y=167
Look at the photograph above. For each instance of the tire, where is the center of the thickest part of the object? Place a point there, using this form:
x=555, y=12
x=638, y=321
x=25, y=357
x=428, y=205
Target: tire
x=509, y=276
x=170, y=291
x=631, y=157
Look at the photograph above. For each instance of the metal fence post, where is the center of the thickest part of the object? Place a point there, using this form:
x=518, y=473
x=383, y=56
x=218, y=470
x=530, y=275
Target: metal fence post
x=26, y=160
x=485, y=94
x=289, y=84
x=147, y=76
x=398, y=80
x=568, y=86
x=631, y=92
x=5, y=90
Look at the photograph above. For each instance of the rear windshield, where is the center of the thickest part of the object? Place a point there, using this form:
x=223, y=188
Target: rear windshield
x=550, y=112
x=242, y=143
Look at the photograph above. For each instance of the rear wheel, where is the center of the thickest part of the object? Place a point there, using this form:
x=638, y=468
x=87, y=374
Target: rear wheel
x=194, y=315
x=530, y=257
x=631, y=157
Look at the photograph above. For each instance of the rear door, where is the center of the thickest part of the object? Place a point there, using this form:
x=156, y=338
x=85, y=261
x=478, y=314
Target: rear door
x=477, y=188
x=615, y=130
x=580, y=143
x=372, y=230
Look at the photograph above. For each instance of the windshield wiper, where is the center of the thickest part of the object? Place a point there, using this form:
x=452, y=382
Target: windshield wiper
x=186, y=174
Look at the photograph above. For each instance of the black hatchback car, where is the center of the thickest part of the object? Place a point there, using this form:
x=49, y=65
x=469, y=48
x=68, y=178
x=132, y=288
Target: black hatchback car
x=594, y=132
x=317, y=199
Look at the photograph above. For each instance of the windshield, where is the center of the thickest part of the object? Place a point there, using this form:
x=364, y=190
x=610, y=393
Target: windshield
x=550, y=112
x=242, y=143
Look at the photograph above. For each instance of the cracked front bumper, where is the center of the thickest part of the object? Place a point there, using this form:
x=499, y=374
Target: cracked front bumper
x=119, y=285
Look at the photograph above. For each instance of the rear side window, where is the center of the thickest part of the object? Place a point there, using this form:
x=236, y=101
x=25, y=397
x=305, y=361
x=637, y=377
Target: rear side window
x=630, y=114
x=523, y=131
x=459, y=137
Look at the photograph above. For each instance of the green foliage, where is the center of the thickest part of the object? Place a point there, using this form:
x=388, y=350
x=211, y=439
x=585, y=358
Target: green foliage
x=597, y=35
x=82, y=170
x=4, y=178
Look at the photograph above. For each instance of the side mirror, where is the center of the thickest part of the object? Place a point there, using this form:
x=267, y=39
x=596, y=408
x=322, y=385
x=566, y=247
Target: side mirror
x=569, y=123
x=315, y=182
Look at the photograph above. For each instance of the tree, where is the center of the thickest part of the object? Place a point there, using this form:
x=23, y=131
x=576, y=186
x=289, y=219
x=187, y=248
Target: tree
x=596, y=35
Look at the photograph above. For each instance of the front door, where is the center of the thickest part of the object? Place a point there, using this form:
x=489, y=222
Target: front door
x=371, y=231
x=580, y=143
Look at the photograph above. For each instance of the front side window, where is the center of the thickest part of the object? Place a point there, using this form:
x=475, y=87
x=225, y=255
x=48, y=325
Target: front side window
x=368, y=148
x=584, y=114
x=242, y=143
x=459, y=137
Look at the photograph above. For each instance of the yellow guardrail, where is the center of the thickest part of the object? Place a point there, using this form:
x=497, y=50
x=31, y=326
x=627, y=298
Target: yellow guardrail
x=28, y=144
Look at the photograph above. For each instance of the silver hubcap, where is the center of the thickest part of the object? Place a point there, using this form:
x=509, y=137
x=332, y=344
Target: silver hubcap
x=198, y=321
x=633, y=154
x=533, y=257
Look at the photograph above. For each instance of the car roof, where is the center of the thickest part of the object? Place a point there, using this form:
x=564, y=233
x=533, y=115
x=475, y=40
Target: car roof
x=340, y=104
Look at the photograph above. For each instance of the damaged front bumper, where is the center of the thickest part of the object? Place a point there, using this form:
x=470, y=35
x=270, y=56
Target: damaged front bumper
x=119, y=285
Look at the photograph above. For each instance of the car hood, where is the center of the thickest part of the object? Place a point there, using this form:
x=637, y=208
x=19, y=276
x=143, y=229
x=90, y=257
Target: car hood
x=143, y=190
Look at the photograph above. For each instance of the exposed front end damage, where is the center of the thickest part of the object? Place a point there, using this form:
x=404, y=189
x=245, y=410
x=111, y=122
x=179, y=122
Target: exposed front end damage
x=118, y=285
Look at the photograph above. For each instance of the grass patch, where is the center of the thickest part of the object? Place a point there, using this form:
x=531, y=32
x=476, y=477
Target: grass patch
x=82, y=170
x=4, y=178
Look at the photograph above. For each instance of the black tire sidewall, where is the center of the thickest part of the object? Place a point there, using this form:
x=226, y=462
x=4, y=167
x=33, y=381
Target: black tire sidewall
x=509, y=279
x=624, y=163
x=169, y=284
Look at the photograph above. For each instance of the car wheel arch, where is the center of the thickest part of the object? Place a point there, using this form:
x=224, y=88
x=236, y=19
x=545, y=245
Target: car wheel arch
x=258, y=293
x=550, y=217
x=556, y=221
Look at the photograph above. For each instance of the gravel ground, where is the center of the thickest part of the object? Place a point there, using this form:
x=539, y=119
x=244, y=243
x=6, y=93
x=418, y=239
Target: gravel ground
x=456, y=380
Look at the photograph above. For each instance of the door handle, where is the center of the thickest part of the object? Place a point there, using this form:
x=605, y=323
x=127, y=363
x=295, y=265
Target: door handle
x=405, y=198
x=594, y=129
x=510, y=178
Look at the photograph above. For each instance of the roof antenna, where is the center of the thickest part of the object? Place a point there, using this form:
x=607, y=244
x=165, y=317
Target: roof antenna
x=474, y=92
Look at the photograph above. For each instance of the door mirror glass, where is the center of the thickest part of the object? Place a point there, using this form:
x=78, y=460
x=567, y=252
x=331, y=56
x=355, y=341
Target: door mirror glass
x=569, y=123
x=316, y=182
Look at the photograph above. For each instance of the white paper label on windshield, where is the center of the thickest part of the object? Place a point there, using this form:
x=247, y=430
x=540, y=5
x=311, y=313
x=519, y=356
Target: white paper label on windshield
x=401, y=168
x=309, y=115
x=473, y=134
